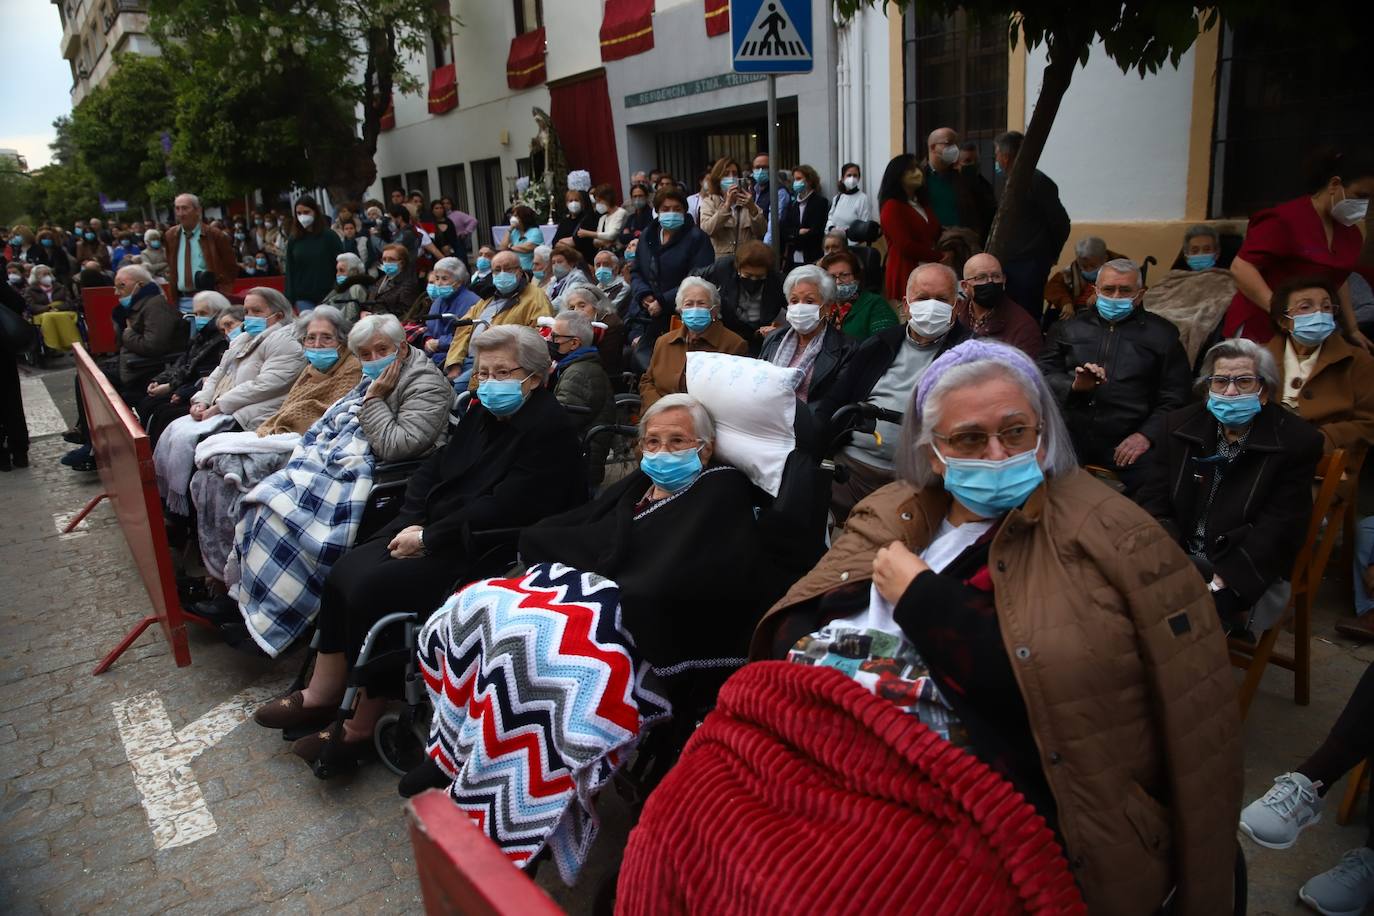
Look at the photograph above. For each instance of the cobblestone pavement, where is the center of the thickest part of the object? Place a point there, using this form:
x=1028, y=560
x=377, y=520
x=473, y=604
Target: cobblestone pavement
x=74, y=837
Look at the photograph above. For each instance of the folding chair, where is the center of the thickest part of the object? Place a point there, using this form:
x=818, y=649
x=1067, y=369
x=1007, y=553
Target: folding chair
x=1322, y=532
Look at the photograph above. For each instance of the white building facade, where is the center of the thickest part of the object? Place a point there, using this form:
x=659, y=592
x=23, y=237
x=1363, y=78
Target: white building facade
x=94, y=31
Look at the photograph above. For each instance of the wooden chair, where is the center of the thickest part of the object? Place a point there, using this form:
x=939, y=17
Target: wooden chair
x=1359, y=784
x=1323, y=530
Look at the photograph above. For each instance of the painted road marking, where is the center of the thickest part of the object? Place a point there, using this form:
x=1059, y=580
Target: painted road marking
x=60, y=520
x=40, y=412
x=161, y=760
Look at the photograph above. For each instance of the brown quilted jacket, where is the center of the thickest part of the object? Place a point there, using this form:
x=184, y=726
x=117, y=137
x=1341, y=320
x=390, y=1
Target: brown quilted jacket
x=1118, y=653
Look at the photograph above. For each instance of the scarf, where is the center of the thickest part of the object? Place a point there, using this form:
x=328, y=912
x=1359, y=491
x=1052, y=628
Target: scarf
x=787, y=351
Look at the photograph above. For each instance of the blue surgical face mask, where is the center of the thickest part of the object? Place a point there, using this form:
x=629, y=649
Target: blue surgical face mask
x=254, y=325
x=1201, y=261
x=671, y=220
x=1235, y=411
x=502, y=397
x=1313, y=327
x=506, y=282
x=728, y=182
x=390, y=268
x=672, y=471
x=560, y=270
x=484, y=264
x=322, y=358
x=798, y=187
x=340, y=278
x=1114, y=309
x=47, y=243
x=199, y=323
x=373, y=368
x=157, y=243
x=90, y=236
x=988, y=488
x=696, y=319
x=997, y=168
x=761, y=176
x=1091, y=275
x=630, y=255
x=125, y=300
x=234, y=333
x=604, y=275
x=538, y=275
x=437, y=291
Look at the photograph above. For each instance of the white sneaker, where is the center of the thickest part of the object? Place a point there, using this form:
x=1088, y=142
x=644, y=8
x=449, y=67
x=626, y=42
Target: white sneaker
x=1344, y=890
x=1287, y=809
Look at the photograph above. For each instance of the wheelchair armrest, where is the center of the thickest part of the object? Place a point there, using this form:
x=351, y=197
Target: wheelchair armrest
x=397, y=469
x=618, y=429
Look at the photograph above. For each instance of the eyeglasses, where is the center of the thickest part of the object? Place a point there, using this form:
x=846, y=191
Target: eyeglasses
x=842, y=276
x=674, y=444
x=559, y=338
x=1245, y=384
x=1307, y=308
x=500, y=375
x=320, y=340
x=992, y=277
x=973, y=442
x=1122, y=291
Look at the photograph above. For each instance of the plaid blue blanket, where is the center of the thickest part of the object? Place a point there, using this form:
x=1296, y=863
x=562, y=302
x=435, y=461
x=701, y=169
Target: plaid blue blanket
x=298, y=522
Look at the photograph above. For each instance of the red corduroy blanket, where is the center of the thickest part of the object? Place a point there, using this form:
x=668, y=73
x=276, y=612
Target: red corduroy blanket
x=804, y=793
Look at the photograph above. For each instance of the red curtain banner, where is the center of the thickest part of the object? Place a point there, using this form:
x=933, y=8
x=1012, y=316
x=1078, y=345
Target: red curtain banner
x=717, y=17
x=443, y=89
x=581, y=113
x=627, y=28
x=525, y=63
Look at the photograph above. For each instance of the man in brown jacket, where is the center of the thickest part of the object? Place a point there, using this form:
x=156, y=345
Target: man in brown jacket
x=208, y=249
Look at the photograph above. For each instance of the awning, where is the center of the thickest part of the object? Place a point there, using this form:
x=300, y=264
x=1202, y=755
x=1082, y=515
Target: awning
x=525, y=63
x=388, y=119
x=717, y=17
x=443, y=89
x=627, y=28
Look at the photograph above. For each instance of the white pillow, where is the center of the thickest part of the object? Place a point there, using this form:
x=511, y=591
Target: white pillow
x=754, y=404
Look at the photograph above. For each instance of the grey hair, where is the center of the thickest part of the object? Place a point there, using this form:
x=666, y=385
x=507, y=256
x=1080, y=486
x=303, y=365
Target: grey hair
x=353, y=262
x=327, y=313
x=455, y=267
x=810, y=273
x=216, y=300
x=838, y=233
x=530, y=349
x=387, y=325
x=542, y=252
x=579, y=326
x=595, y=295
x=615, y=260
x=917, y=440
x=1198, y=229
x=702, y=424
x=275, y=300
x=1240, y=348
x=195, y=201
x=39, y=272
x=1008, y=142
x=234, y=311
x=712, y=291
x=1123, y=266
x=1090, y=246
x=138, y=272
x=151, y=235
x=951, y=277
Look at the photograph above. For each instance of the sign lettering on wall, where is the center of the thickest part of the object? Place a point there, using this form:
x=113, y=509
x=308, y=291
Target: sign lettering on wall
x=694, y=87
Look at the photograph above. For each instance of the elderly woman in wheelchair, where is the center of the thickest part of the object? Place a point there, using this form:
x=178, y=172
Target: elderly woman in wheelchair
x=513, y=458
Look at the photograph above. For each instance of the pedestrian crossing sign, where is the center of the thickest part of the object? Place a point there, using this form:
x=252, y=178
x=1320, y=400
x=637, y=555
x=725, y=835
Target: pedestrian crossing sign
x=771, y=36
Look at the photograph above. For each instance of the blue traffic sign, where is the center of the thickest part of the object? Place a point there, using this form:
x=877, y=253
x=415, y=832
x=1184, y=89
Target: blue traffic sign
x=771, y=36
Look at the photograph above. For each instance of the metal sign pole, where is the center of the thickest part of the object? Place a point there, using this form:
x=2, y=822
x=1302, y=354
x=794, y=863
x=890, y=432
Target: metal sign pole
x=773, y=165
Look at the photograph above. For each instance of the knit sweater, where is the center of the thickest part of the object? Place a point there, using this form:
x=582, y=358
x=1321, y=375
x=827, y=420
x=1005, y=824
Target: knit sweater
x=310, y=263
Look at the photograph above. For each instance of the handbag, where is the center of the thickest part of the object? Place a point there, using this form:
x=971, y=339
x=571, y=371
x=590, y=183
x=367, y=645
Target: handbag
x=16, y=334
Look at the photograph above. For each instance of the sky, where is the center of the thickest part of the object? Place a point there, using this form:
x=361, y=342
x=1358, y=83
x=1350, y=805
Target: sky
x=43, y=89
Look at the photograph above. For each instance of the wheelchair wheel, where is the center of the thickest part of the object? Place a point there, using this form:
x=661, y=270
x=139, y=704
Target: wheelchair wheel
x=401, y=746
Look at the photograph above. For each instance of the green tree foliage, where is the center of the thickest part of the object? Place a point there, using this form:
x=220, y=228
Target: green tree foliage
x=65, y=189
x=118, y=127
x=287, y=91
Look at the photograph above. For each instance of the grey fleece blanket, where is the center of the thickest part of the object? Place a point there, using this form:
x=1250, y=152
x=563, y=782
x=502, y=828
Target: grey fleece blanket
x=227, y=466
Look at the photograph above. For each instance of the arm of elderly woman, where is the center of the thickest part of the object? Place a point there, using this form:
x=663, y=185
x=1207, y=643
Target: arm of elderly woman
x=283, y=365
x=420, y=415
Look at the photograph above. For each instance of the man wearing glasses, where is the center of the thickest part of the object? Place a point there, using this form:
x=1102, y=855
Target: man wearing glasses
x=1233, y=484
x=1117, y=370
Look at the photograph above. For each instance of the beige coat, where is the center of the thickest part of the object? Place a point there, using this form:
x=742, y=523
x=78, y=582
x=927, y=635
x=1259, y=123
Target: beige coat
x=1117, y=649
x=730, y=227
x=254, y=375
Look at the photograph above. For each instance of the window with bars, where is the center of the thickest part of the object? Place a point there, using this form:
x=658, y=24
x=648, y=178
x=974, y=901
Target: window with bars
x=529, y=15
x=489, y=198
x=453, y=184
x=418, y=181
x=1279, y=95
x=955, y=70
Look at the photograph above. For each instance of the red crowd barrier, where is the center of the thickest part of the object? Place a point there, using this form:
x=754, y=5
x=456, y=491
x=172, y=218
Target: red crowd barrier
x=125, y=460
x=461, y=871
x=98, y=303
x=244, y=284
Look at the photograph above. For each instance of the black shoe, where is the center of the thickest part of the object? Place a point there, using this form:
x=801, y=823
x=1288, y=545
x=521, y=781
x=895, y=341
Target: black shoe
x=425, y=776
x=20, y=460
x=73, y=436
x=219, y=610
x=80, y=459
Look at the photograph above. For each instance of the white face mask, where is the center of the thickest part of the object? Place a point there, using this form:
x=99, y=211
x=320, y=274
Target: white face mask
x=514, y=223
x=950, y=154
x=1350, y=211
x=930, y=318
x=574, y=207
x=852, y=182
x=45, y=281
x=803, y=317
x=602, y=208
x=306, y=219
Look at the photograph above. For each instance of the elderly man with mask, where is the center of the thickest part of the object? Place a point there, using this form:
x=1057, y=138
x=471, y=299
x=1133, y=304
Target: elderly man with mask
x=516, y=301
x=959, y=196
x=1071, y=288
x=987, y=311
x=1117, y=370
x=580, y=382
x=884, y=371
x=193, y=246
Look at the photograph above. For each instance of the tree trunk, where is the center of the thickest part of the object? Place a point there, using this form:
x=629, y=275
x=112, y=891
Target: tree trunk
x=1064, y=57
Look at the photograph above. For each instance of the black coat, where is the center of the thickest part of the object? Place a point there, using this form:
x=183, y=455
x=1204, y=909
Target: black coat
x=567, y=231
x=837, y=348
x=659, y=268
x=1258, y=520
x=202, y=355
x=793, y=220
x=497, y=474
x=694, y=571
x=870, y=362
x=1147, y=377
x=725, y=276
x=634, y=226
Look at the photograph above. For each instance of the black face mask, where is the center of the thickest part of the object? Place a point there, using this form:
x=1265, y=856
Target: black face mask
x=554, y=353
x=988, y=294
x=751, y=285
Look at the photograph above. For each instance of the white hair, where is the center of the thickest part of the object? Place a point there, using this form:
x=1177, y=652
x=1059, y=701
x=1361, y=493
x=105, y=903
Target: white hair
x=579, y=326
x=386, y=325
x=1090, y=247
x=950, y=276
x=323, y=313
x=152, y=235
x=593, y=295
x=353, y=265
x=702, y=424
x=275, y=299
x=699, y=283
x=215, y=299
x=810, y=273
x=455, y=267
x=195, y=201
x=136, y=272
x=1124, y=266
x=1241, y=348
x=542, y=252
x=530, y=350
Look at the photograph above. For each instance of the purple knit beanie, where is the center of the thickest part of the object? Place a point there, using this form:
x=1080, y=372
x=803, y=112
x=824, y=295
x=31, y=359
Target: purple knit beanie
x=970, y=351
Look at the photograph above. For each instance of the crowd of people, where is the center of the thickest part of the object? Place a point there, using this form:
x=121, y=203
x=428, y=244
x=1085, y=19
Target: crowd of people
x=1069, y=487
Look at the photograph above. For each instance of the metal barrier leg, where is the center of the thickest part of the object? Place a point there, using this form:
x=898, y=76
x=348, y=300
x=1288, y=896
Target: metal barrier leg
x=81, y=516
x=124, y=644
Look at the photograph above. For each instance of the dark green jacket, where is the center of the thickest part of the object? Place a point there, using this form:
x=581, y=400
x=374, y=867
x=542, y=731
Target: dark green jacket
x=869, y=314
x=584, y=383
x=310, y=263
